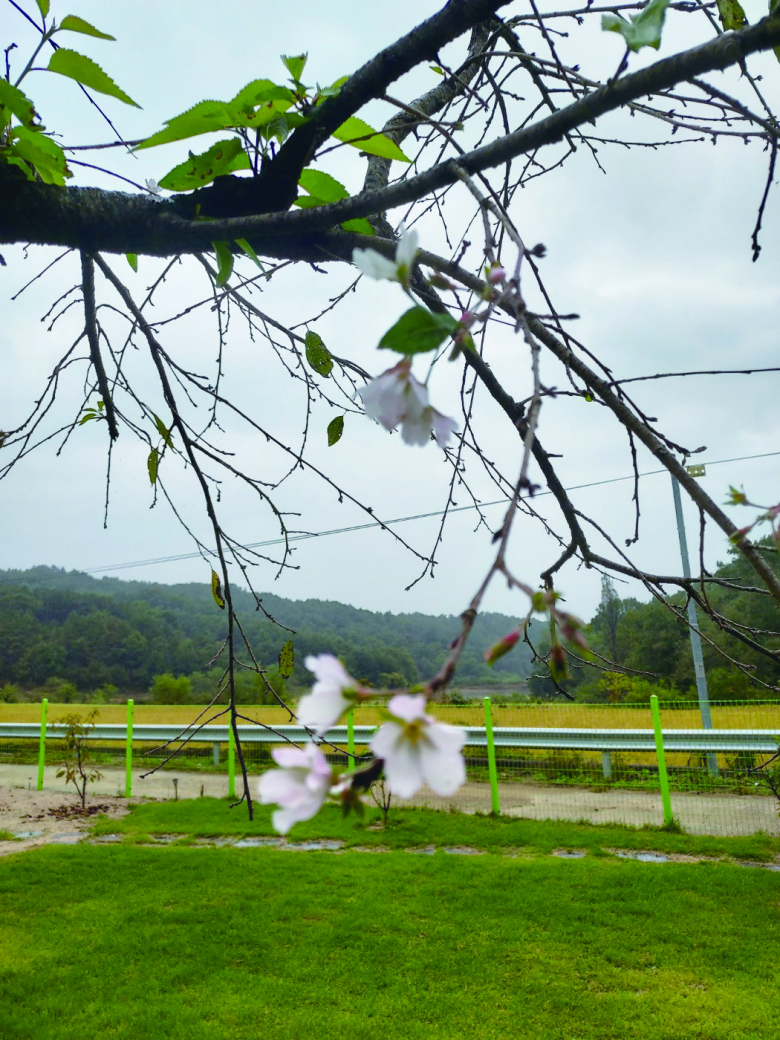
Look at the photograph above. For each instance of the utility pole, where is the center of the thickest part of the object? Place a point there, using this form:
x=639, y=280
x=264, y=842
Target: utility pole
x=693, y=621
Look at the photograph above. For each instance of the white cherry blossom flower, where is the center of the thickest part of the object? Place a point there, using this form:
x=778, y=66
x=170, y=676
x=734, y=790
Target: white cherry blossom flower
x=379, y=267
x=299, y=787
x=397, y=397
x=322, y=708
x=419, y=750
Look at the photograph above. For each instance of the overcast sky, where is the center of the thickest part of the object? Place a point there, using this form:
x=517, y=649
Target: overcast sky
x=655, y=256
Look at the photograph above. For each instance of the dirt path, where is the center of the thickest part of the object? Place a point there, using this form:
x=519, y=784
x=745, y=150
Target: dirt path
x=715, y=814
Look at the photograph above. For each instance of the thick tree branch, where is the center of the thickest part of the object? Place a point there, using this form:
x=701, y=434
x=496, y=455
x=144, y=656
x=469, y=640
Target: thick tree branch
x=114, y=222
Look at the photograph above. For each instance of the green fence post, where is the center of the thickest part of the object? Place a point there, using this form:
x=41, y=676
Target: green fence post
x=663, y=778
x=42, y=743
x=231, y=761
x=351, y=736
x=491, y=750
x=129, y=751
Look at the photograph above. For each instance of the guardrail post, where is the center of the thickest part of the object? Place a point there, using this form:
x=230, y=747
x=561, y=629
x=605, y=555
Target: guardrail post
x=491, y=750
x=216, y=752
x=42, y=743
x=606, y=764
x=663, y=778
x=231, y=761
x=351, y=736
x=129, y=751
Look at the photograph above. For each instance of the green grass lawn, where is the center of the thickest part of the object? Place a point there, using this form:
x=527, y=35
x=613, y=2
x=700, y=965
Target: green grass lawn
x=205, y=817
x=228, y=944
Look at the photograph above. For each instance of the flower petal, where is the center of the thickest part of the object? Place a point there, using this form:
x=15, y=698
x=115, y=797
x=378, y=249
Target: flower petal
x=374, y=264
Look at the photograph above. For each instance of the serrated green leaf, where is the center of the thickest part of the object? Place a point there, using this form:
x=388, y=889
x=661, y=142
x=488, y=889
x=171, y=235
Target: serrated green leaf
x=163, y=430
x=322, y=186
x=295, y=65
x=152, y=464
x=199, y=170
x=364, y=137
x=732, y=17
x=75, y=24
x=287, y=659
x=43, y=6
x=206, y=117
x=359, y=225
x=261, y=91
x=44, y=154
x=278, y=127
x=87, y=72
x=224, y=261
x=317, y=354
x=417, y=331
x=132, y=259
x=335, y=430
x=17, y=103
x=216, y=590
x=644, y=29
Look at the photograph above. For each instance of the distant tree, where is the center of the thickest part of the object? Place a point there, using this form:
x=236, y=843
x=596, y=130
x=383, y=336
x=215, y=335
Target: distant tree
x=169, y=689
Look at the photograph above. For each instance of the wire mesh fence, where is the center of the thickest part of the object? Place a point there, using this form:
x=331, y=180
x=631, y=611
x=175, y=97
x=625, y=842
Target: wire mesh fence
x=723, y=793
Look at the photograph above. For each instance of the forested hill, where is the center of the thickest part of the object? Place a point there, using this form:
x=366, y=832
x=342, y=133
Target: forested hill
x=92, y=632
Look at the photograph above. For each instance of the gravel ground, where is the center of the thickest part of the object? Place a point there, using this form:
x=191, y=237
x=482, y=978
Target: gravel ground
x=716, y=814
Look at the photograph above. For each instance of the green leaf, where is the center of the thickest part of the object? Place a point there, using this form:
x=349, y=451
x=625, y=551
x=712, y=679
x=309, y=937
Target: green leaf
x=731, y=14
x=335, y=430
x=372, y=141
x=88, y=414
x=87, y=72
x=199, y=170
x=418, y=331
x=43, y=7
x=360, y=225
x=261, y=91
x=295, y=66
x=322, y=186
x=224, y=262
x=44, y=154
x=16, y=102
x=204, y=118
x=318, y=355
x=216, y=590
x=76, y=24
x=132, y=259
x=644, y=29
x=152, y=464
x=287, y=659
x=163, y=430
x=246, y=248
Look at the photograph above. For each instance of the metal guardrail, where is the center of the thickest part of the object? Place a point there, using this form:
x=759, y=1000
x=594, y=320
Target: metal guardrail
x=642, y=740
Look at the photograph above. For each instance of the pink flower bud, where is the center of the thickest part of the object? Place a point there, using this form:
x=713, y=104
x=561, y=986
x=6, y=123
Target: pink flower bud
x=503, y=646
x=496, y=275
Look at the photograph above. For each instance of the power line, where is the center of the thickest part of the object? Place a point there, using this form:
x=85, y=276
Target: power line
x=304, y=536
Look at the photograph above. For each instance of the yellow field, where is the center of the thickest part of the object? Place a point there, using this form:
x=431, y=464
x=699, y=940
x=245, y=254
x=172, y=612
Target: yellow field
x=558, y=716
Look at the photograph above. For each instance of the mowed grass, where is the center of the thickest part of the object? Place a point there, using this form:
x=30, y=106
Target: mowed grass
x=228, y=944
x=409, y=828
x=579, y=716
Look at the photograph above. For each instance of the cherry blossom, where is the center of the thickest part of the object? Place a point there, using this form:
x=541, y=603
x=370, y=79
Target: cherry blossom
x=299, y=787
x=379, y=267
x=322, y=708
x=418, y=750
x=397, y=397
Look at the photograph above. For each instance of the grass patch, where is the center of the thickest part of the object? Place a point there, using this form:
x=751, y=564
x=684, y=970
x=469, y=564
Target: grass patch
x=206, y=817
x=7, y=836
x=168, y=944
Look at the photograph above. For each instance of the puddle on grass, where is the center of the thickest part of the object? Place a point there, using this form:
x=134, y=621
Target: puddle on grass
x=569, y=854
x=66, y=839
x=21, y=835
x=311, y=846
x=643, y=857
x=107, y=839
x=428, y=850
x=253, y=843
x=464, y=850
x=368, y=848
